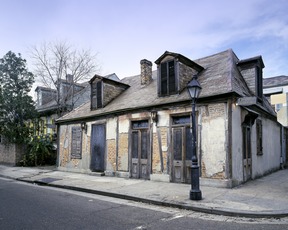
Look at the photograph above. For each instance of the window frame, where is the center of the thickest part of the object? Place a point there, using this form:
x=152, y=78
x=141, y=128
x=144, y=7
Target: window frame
x=167, y=74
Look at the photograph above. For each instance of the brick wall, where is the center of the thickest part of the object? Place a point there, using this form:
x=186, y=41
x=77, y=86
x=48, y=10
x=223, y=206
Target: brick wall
x=185, y=75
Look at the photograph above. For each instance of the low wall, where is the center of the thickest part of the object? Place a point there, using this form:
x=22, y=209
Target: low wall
x=10, y=153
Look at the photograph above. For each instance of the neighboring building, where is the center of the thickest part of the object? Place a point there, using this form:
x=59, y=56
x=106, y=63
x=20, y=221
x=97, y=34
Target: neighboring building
x=140, y=127
x=71, y=95
x=276, y=89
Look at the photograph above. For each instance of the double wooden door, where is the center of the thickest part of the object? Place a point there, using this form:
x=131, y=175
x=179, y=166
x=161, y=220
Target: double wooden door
x=181, y=151
x=181, y=154
x=140, y=150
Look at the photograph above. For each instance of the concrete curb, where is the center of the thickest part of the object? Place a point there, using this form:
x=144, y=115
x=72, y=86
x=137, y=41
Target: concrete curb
x=196, y=208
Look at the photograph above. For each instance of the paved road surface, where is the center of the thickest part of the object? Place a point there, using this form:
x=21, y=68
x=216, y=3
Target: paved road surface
x=26, y=206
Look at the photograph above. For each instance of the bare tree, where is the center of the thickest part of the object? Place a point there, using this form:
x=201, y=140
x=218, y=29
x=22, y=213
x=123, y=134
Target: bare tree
x=54, y=62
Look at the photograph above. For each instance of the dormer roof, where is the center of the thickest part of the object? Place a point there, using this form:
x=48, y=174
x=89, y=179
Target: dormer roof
x=182, y=59
x=111, y=80
x=257, y=59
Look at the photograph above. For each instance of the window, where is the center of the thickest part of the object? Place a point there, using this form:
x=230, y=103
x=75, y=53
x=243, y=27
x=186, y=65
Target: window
x=96, y=95
x=181, y=120
x=167, y=81
x=76, y=145
x=259, y=137
x=140, y=124
x=278, y=107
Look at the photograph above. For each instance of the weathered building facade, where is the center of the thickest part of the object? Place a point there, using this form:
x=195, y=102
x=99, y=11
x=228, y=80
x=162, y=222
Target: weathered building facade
x=140, y=127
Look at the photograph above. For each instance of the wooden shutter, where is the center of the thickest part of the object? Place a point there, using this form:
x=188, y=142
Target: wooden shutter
x=99, y=94
x=259, y=137
x=96, y=95
x=164, y=80
x=171, y=78
x=167, y=78
x=76, y=144
x=93, y=95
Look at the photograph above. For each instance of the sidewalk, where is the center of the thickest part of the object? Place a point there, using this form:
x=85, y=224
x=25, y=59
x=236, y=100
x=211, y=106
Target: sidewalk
x=264, y=197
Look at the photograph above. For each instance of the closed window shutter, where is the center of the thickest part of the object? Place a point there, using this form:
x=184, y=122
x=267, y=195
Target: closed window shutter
x=76, y=144
x=259, y=137
x=96, y=95
x=99, y=94
x=168, y=84
x=171, y=78
x=93, y=96
x=164, y=79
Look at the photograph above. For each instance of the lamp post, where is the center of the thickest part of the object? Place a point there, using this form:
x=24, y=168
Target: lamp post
x=194, y=89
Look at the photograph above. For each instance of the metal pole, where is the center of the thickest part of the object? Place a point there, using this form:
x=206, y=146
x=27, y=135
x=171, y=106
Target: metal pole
x=195, y=193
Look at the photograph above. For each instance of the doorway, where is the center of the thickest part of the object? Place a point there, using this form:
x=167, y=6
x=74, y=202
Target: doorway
x=140, y=150
x=247, y=162
x=181, y=153
x=98, y=147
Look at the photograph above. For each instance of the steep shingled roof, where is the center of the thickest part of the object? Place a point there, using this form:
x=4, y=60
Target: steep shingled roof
x=275, y=81
x=220, y=76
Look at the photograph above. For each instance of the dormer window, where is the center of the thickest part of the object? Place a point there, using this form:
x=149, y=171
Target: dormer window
x=174, y=71
x=96, y=95
x=251, y=70
x=167, y=78
x=105, y=89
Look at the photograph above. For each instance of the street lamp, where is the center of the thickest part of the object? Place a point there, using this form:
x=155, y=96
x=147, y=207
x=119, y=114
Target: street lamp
x=194, y=89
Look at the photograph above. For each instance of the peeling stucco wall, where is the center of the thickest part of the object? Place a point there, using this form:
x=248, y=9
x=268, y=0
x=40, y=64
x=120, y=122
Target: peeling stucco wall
x=270, y=159
x=213, y=141
x=65, y=160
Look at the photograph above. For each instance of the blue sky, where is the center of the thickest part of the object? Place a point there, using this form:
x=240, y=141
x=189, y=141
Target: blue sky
x=123, y=32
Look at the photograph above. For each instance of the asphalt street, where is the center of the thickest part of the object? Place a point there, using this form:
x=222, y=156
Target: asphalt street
x=29, y=206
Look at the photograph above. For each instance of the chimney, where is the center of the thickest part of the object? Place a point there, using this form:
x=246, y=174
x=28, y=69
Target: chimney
x=146, y=72
x=69, y=78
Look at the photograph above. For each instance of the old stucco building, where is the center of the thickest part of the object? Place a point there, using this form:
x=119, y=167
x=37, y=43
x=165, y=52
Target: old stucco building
x=140, y=126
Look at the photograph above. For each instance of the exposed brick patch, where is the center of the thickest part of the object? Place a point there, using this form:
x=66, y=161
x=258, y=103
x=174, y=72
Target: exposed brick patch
x=111, y=153
x=123, y=152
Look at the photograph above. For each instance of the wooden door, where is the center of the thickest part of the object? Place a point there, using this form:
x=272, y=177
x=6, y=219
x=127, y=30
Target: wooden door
x=247, y=161
x=98, y=147
x=140, y=154
x=181, y=154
